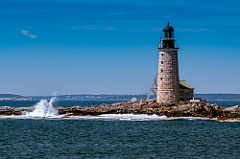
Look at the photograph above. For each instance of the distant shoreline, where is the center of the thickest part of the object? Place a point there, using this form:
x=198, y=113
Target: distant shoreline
x=113, y=97
x=15, y=99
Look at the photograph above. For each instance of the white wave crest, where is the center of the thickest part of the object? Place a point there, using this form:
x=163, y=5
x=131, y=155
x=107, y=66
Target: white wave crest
x=44, y=109
x=126, y=117
x=38, y=113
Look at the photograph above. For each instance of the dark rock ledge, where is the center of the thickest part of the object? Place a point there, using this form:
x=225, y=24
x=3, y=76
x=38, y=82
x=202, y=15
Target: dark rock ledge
x=144, y=107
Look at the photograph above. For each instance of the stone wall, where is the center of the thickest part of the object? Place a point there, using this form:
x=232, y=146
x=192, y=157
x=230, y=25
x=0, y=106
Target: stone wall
x=168, y=92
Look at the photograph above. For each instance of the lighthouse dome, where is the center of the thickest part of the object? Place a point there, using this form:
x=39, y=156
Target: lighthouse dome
x=168, y=28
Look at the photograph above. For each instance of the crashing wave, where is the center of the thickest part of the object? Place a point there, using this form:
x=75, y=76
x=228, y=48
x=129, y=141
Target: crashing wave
x=44, y=109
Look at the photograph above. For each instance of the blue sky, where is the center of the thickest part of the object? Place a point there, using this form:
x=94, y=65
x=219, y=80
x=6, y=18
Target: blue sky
x=110, y=47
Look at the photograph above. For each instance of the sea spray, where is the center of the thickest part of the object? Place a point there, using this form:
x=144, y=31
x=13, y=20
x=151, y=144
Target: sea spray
x=44, y=109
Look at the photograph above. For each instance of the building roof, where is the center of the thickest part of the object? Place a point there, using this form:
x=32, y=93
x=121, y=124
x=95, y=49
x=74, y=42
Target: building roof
x=185, y=84
x=168, y=28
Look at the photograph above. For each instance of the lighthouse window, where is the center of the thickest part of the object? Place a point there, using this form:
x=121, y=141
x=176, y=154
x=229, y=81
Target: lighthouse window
x=168, y=35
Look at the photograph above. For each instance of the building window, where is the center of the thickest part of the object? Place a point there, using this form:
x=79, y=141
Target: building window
x=161, y=62
x=161, y=70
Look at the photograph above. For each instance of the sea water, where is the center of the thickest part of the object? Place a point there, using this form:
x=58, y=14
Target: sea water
x=115, y=136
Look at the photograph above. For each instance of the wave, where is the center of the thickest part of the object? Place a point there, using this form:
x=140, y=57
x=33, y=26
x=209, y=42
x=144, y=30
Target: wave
x=123, y=117
x=44, y=109
x=115, y=117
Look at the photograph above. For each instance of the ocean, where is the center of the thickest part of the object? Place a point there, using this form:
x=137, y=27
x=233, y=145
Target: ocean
x=36, y=136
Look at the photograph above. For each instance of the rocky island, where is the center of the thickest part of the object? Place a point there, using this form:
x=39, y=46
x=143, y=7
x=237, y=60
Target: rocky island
x=174, y=97
x=151, y=107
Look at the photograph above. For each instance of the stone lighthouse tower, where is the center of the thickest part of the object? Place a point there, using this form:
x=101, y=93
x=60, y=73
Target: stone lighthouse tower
x=168, y=91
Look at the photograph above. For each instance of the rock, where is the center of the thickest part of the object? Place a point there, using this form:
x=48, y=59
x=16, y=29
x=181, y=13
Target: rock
x=142, y=107
x=233, y=109
x=134, y=99
x=7, y=110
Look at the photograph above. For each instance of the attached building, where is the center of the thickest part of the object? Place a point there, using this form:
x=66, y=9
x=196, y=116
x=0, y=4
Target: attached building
x=186, y=91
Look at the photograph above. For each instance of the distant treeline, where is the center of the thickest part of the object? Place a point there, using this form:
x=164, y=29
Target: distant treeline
x=11, y=96
x=106, y=97
x=219, y=97
x=90, y=97
x=114, y=97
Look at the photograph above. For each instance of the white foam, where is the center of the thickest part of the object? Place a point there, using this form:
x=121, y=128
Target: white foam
x=13, y=117
x=44, y=109
x=231, y=121
x=108, y=117
x=134, y=117
x=126, y=117
x=192, y=118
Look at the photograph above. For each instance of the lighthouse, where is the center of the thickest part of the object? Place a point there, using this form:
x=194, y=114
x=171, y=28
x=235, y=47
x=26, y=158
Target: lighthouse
x=168, y=87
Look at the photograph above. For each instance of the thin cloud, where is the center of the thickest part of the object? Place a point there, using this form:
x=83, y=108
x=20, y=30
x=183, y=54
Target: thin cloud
x=117, y=14
x=88, y=27
x=192, y=30
x=156, y=29
x=91, y=28
x=73, y=28
x=111, y=29
x=182, y=30
x=27, y=34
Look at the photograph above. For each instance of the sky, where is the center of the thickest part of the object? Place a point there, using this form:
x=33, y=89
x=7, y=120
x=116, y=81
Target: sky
x=110, y=47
